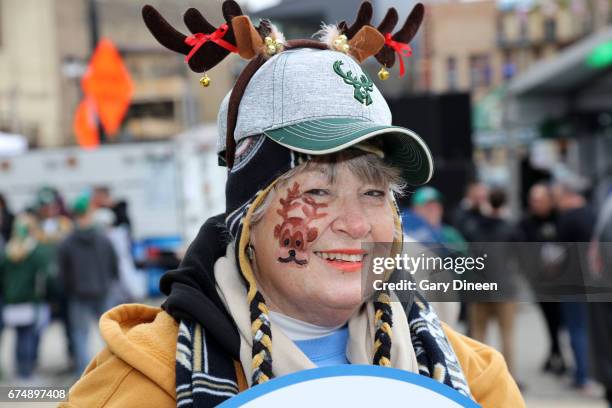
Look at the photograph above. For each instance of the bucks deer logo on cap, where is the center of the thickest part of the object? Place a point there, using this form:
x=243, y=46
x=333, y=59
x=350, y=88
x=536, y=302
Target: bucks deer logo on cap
x=363, y=85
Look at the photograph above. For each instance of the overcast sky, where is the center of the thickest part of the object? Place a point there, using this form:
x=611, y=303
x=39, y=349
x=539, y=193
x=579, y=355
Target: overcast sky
x=255, y=5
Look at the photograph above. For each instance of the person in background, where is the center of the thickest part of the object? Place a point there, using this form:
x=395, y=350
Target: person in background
x=6, y=227
x=88, y=266
x=52, y=216
x=600, y=313
x=575, y=227
x=55, y=225
x=102, y=198
x=467, y=218
x=539, y=226
x=24, y=272
x=494, y=228
x=423, y=221
x=6, y=221
x=423, y=224
x=471, y=210
x=132, y=285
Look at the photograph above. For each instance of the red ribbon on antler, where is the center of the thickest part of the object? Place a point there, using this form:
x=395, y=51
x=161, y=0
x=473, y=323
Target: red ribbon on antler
x=199, y=39
x=402, y=50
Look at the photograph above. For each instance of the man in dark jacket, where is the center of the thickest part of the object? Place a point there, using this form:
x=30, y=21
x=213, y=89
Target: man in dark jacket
x=539, y=227
x=468, y=216
x=494, y=228
x=88, y=265
x=575, y=229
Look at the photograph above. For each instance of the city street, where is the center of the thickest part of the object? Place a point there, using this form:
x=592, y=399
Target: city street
x=542, y=391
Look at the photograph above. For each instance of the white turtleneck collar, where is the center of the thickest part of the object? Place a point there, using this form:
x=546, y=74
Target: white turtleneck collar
x=297, y=330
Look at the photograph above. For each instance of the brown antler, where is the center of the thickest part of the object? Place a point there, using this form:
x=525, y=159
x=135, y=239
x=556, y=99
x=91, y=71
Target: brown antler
x=288, y=204
x=363, y=39
x=208, y=53
x=389, y=21
x=364, y=16
x=310, y=209
x=386, y=56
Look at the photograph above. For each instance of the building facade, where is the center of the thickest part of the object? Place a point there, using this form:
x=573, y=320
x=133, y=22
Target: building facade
x=45, y=46
x=459, y=50
x=478, y=45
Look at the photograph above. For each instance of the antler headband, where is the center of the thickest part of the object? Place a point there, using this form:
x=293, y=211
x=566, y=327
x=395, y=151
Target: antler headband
x=394, y=43
x=208, y=45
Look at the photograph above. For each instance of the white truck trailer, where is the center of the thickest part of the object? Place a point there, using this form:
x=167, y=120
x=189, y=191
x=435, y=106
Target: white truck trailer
x=171, y=187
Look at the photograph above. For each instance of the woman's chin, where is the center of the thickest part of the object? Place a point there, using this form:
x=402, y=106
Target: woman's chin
x=342, y=297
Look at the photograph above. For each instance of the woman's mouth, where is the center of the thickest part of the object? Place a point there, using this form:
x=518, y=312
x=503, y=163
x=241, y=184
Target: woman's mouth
x=346, y=260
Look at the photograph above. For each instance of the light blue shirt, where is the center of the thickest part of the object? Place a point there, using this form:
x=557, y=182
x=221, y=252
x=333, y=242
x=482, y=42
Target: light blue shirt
x=326, y=351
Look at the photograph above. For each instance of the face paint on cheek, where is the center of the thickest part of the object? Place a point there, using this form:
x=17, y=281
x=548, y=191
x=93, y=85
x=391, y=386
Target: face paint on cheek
x=294, y=233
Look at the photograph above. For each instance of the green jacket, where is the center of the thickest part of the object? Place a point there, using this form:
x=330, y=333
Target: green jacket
x=25, y=280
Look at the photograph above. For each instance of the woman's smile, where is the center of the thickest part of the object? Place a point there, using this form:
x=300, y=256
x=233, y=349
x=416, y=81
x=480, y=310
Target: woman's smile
x=346, y=260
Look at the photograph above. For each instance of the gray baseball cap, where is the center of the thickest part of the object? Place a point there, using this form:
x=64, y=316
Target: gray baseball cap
x=319, y=102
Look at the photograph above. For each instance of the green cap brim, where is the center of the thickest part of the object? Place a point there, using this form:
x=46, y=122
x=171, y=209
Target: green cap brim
x=402, y=147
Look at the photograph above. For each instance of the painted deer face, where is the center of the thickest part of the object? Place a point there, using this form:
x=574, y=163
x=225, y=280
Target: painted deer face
x=295, y=232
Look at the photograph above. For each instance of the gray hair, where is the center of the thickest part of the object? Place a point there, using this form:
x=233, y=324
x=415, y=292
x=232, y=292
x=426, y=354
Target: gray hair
x=366, y=166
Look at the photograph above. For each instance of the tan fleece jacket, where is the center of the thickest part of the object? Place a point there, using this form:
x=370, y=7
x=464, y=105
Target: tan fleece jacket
x=136, y=369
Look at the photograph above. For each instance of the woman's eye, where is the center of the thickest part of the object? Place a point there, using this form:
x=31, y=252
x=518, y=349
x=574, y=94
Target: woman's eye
x=320, y=192
x=375, y=193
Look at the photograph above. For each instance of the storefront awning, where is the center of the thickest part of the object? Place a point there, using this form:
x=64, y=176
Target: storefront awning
x=574, y=67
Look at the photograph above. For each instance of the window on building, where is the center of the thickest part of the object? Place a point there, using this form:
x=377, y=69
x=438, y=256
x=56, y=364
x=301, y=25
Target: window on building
x=501, y=34
x=550, y=30
x=451, y=73
x=523, y=30
x=480, y=70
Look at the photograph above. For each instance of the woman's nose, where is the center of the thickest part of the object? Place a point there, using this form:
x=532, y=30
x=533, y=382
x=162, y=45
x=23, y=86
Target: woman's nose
x=353, y=221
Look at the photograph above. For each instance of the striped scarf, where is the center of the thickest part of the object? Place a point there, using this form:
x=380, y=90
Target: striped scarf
x=205, y=376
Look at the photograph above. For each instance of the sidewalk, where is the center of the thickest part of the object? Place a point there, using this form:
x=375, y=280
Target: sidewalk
x=542, y=390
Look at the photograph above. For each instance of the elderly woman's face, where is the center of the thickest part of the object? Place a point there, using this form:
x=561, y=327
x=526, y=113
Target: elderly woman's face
x=308, y=245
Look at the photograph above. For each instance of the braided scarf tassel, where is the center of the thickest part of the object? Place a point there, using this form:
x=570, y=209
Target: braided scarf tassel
x=262, y=339
x=382, y=336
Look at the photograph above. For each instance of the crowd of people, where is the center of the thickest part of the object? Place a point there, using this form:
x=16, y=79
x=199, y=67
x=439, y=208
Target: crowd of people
x=61, y=262
x=561, y=235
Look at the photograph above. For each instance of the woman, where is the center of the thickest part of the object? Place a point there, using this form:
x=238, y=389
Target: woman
x=266, y=287
x=24, y=273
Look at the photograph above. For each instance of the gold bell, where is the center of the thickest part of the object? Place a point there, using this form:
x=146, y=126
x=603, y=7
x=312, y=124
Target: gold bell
x=383, y=74
x=205, y=81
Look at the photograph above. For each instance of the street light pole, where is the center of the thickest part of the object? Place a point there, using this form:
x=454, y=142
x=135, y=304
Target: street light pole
x=92, y=12
x=94, y=36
